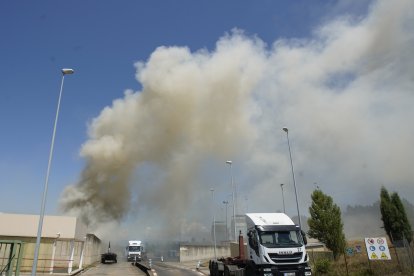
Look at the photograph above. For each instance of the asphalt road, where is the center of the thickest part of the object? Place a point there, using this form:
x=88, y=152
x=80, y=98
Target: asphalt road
x=113, y=269
x=160, y=269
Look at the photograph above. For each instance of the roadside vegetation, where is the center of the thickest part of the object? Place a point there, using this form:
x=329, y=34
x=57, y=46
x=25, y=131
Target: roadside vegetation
x=350, y=257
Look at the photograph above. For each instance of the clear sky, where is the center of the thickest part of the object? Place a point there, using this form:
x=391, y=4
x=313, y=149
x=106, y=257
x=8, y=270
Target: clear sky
x=102, y=40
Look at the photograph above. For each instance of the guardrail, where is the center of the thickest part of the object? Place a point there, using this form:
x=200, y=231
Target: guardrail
x=144, y=266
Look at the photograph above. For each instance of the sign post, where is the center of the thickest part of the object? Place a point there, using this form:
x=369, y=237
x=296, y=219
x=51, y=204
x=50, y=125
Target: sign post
x=377, y=250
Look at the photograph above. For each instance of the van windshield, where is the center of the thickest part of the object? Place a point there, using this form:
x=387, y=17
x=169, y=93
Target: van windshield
x=134, y=248
x=275, y=239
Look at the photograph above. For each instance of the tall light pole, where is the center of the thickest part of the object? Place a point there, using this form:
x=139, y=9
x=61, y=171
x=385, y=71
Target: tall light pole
x=214, y=223
x=226, y=202
x=283, y=199
x=234, y=200
x=285, y=129
x=65, y=71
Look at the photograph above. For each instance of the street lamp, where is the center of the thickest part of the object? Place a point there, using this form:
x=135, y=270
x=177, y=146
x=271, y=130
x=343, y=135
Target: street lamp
x=65, y=71
x=285, y=129
x=283, y=198
x=226, y=202
x=233, y=195
x=214, y=223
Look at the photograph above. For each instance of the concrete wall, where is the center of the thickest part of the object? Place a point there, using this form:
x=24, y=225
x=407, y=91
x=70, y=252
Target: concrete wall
x=202, y=252
x=92, y=252
x=234, y=249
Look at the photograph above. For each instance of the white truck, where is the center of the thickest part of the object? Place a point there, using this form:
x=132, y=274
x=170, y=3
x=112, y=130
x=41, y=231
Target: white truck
x=276, y=246
x=134, y=251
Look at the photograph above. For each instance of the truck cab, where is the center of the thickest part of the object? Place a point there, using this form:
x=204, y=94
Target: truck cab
x=276, y=246
x=134, y=251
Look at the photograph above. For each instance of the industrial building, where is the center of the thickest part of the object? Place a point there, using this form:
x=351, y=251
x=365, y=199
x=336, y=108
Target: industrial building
x=66, y=246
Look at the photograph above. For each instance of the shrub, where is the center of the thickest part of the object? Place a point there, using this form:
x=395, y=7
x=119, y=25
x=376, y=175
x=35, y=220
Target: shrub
x=322, y=266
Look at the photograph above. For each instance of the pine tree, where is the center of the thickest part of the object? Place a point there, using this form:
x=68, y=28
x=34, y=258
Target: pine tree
x=403, y=227
x=325, y=223
x=387, y=211
x=394, y=217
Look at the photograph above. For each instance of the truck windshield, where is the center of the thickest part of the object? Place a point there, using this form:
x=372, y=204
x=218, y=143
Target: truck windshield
x=274, y=239
x=134, y=248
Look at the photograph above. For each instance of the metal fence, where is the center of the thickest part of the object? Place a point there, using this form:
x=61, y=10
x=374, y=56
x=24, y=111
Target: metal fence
x=404, y=254
x=10, y=257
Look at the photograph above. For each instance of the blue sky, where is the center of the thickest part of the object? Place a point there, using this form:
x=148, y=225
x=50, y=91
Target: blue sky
x=101, y=40
x=339, y=117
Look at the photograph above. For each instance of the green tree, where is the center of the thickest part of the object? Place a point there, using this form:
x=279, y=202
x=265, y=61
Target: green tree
x=394, y=216
x=325, y=223
x=403, y=227
x=387, y=211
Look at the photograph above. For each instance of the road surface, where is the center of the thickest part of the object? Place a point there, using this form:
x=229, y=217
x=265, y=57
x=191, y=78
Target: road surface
x=161, y=269
x=114, y=269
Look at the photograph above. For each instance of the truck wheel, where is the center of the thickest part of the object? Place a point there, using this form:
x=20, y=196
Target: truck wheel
x=214, y=269
x=226, y=271
x=250, y=270
x=211, y=267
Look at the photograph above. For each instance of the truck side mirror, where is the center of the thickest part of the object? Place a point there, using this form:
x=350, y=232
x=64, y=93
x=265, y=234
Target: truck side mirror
x=250, y=235
x=305, y=240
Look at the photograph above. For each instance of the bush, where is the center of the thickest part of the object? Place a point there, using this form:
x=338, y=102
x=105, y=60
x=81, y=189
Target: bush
x=322, y=266
x=363, y=272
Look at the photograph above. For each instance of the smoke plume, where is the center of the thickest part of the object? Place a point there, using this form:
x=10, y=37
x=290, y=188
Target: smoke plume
x=345, y=93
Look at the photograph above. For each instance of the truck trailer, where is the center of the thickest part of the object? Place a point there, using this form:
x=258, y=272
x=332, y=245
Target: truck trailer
x=108, y=256
x=275, y=246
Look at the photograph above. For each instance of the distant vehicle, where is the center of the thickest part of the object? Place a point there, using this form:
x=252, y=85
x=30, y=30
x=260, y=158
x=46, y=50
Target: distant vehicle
x=135, y=251
x=276, y=246
x=109, y=256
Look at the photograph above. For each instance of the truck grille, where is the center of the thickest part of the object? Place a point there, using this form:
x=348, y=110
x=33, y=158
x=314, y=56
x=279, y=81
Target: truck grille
x=290, y=258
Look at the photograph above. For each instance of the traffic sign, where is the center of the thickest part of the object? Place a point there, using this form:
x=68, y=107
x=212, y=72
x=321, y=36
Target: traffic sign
x=377, y=248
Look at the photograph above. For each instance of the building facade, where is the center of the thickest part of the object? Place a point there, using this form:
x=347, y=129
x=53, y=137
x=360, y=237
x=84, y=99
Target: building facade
x=65, y=246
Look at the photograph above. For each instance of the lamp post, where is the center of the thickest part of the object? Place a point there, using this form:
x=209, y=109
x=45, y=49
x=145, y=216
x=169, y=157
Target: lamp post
x=285, y=129
x=234, y=200
x=283, y=198
x=226, y=202
x=65, y=71
x=214, y=223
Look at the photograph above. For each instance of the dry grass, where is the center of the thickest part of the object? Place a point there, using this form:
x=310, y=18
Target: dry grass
x=358, y=263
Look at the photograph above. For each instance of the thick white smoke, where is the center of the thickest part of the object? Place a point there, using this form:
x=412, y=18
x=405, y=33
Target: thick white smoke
x=346, y=95
x=193, y=106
